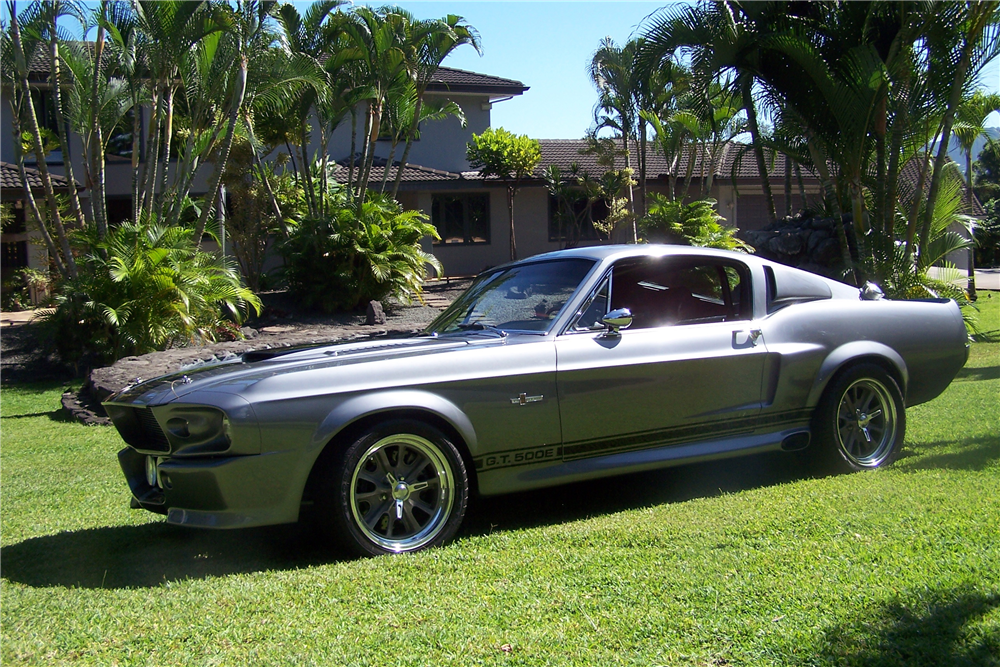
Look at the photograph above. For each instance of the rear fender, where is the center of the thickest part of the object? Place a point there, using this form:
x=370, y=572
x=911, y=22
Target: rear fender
x=867, y=350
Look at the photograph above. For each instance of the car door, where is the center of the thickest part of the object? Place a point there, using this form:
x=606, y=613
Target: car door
x=688, y=369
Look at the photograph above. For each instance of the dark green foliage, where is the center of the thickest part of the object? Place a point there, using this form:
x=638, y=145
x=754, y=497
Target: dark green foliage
x=143, y=288
x=696, y=223
x=988, y=235
x=349, y=257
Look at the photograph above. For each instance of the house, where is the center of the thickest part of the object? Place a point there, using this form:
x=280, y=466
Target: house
x=470, y=212
x=22, y=246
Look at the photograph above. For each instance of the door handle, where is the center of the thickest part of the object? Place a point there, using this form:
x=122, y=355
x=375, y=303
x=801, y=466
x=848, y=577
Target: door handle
x=752, y=336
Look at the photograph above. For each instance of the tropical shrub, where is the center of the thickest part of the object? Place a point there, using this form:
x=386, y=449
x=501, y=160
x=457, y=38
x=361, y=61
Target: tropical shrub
x=696, y=223
x=143, y=288
x=353, y=255
x=259, y=212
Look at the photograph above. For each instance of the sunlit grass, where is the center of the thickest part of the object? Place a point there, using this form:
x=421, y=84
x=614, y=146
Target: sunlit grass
x=745, y=562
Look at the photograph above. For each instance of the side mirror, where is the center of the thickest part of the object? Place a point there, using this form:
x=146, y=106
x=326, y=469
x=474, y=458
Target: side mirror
x=871, y=292
x=617, y=319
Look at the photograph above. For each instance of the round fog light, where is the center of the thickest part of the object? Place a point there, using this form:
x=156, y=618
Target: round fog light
x=151, y=471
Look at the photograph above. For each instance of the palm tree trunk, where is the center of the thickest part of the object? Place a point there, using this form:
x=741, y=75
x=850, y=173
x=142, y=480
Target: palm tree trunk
x=167, y=138
x=307, y=172
x=354, y=147
x=98, y=203
x=410, y=137
x=819, y=160
x=68, y=264
x=954, y=99
x=260, y=169
x=631, y=194
x=788, y=187
x=29, y=196
x=74, y=197
x=152, y=153
x=643, y=154
x=388, y=164
x=136, y=149
x=371, y=139
x=220, y=167
x=758, y=149
x=972, y=255
x=510, y=212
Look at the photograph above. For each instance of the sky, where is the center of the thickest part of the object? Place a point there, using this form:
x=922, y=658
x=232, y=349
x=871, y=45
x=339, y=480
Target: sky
x=547, y=46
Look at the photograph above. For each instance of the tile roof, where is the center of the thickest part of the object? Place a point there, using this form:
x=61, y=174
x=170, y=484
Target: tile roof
x=10, y=178
x=565, y=152
x=449, y=79
x=413, y=173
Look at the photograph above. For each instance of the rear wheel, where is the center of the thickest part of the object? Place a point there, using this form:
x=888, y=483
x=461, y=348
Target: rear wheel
x=402, y=486
x=860, y=421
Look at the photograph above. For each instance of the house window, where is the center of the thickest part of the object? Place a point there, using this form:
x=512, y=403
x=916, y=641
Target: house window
x=576, y=226
x=462, y=218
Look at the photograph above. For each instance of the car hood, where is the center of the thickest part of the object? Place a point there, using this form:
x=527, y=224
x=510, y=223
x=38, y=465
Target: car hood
x=257, y=365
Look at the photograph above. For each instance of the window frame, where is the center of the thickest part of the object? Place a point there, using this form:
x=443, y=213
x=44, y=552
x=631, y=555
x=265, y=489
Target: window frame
x=468, y=232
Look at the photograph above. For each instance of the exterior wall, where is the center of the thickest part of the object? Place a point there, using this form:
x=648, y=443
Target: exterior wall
x=441, y=145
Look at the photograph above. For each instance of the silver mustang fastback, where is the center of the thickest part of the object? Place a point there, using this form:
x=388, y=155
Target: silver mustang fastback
x=563, y=367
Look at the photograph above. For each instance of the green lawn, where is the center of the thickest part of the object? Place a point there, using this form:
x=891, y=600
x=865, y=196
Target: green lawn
x=740, y=563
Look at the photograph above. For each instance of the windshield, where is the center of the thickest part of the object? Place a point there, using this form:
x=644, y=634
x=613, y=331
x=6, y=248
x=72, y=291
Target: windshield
x=525, y=297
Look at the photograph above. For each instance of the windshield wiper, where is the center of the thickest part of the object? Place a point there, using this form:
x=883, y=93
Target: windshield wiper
x=479, y=326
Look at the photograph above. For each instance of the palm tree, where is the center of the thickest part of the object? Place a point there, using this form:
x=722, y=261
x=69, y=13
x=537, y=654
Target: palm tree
x=428, y=44
x=378, y=36
x=723, y=41
x=614, y=73
x=970, y=126
x=18, y=52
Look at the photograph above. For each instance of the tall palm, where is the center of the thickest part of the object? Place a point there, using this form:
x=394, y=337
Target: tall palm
x=723, y=41
x=967, y=37
x=166, y=33
x=428, y=44
x=614, y=73
x=970, y=126
x=378, y=36
x=18, y=52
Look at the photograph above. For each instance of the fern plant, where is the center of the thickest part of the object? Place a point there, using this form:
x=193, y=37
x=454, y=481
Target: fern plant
x=143, y=288
x=357, y=254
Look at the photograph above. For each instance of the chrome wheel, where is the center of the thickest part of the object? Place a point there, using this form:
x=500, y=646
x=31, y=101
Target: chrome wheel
x=401, y=492
x=867, y=423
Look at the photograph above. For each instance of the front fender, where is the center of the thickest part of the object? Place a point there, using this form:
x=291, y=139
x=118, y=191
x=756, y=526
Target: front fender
x=365, y=405
x=856, y=350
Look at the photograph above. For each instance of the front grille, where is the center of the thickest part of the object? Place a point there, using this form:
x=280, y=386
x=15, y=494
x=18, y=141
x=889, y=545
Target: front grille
x=151, y=436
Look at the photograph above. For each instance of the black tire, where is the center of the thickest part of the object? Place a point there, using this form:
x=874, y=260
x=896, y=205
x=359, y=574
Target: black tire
x=860, y=421
x=400, y=487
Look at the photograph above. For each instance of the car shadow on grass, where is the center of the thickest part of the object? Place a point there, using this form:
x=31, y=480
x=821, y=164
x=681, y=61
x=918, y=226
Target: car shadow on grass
x=932, y=633
x=615, y=494
x=978, y=374
x=152, y=554
x=972, y=454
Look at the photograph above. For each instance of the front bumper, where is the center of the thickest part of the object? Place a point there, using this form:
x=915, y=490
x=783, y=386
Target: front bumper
x=218, y=492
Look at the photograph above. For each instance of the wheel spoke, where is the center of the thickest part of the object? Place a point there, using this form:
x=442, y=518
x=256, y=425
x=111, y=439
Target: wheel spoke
x=375, y=513
x=412, y=525
x=416, y=487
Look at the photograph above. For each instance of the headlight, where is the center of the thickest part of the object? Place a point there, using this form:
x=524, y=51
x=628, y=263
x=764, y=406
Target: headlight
x=198, y=430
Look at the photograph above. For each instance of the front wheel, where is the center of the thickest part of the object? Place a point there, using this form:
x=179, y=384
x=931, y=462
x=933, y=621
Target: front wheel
x=860, y=421
x=400, y=487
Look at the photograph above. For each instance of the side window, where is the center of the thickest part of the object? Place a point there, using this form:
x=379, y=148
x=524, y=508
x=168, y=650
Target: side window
x=677, y=291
